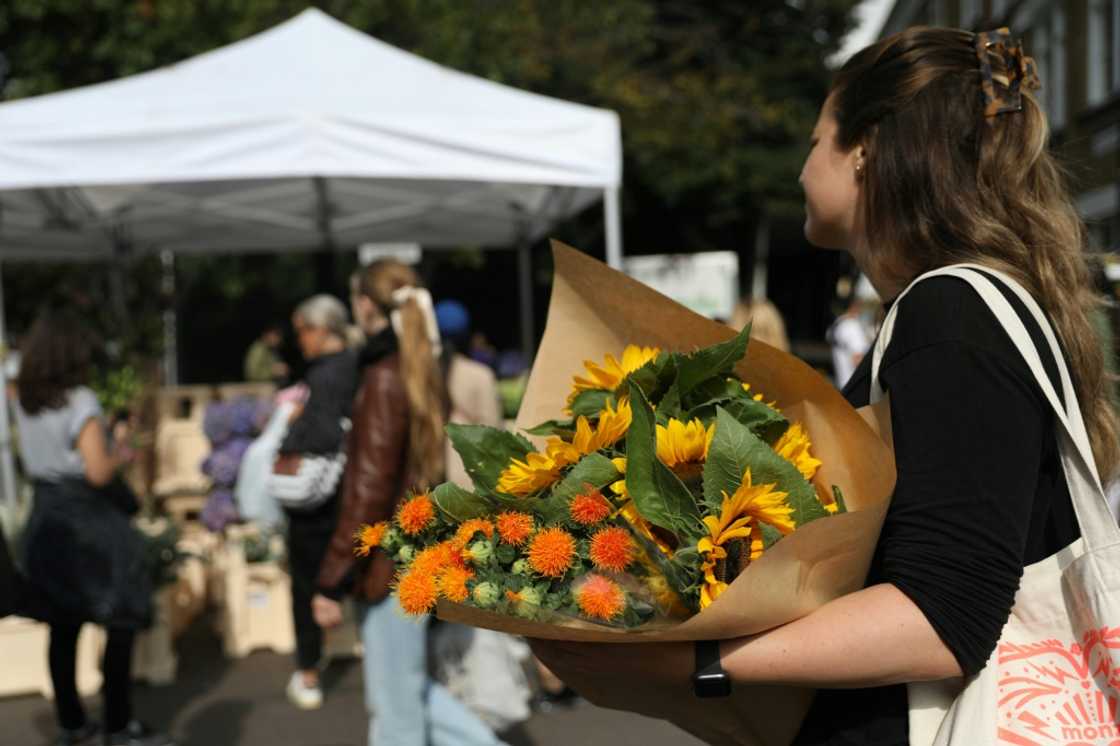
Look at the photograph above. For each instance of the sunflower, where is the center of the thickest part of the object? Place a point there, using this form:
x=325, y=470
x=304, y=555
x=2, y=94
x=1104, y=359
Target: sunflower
x=369, y=537
x=537, y=471
x=740, y=516
x=600, y=598
x=589, y=508
x=551, y=552
x=452, y=583
x=794, y=446
x=417, y=592
x=683, y=447
x=611, y=373
x=514, y=528
x=416, y=514
x=612, y=549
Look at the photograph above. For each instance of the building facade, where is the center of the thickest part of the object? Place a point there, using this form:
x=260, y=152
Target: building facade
x=1076, y=45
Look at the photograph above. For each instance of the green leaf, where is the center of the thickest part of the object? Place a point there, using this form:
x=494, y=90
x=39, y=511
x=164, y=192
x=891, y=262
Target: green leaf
x=589, y=403
x=486, y=452
x=735, y=449
x=653, y=376
x=553, y=427
x=459, y=504
x=765, y=422
x=660, y=497
x=841, y=505
x=770, y=535
x=676, y=573
x=717, y=360
x=505, y=554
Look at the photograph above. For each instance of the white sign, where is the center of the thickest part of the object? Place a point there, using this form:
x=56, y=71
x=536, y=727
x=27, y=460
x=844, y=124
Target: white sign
x=707, y=283
x=408, y=253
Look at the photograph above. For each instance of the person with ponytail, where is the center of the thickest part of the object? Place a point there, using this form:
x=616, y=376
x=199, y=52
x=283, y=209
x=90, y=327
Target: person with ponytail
x=931, y=151
x=396, y=444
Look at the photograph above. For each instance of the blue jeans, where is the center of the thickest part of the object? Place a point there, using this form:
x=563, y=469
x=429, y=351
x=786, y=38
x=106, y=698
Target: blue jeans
x=407, y=708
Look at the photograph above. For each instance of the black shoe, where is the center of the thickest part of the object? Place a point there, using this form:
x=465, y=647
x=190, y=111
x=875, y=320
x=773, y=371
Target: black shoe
x=138, y=734
x=84, y=736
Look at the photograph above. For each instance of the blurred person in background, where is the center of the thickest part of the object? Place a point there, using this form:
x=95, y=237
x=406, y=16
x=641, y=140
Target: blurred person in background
x=850, y=336
x=83, y=560
x=320, y=324
x=766, y=322
x=262, y=360
x=397, y=443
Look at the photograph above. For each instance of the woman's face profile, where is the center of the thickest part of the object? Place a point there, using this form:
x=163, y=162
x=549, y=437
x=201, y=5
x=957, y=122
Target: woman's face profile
x=311, y=339
x=831, y=186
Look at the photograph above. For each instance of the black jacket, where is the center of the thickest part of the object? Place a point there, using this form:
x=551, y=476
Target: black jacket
x=331, y=380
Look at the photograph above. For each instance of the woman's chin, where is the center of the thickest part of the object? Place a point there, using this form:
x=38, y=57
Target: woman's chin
x=823, y=238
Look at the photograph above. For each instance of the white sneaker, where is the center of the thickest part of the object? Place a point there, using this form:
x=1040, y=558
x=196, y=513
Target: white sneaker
x=302, y=696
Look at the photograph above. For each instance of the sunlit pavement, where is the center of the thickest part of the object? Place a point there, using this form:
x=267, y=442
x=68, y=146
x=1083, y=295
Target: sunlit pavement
x=216, y=701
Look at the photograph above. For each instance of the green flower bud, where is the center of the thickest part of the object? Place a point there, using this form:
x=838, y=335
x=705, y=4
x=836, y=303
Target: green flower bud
x=406, y=553
x=522, y=567
x=392, y=539
x=481, y=551
x=485, y=594
x=528, y=602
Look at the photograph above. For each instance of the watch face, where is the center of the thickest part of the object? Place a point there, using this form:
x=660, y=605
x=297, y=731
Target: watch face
x=711, y=684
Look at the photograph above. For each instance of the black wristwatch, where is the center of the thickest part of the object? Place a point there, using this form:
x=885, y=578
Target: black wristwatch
x=709, y=678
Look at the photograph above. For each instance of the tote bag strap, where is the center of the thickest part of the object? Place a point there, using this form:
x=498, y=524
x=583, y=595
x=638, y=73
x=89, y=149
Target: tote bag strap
x=1094, y=517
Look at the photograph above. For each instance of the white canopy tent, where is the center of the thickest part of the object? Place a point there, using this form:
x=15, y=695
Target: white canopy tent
x=310, y=135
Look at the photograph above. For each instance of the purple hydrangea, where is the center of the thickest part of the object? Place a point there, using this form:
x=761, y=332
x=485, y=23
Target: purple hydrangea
x=220, y=510
x=218, y=423
x=224, y=461
x=243, y=417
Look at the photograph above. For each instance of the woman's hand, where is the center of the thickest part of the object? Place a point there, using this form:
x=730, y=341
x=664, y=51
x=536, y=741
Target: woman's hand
x=326, y=611
x=662, y=663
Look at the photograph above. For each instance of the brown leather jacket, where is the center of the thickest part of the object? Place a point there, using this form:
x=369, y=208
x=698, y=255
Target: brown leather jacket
x=375, y=480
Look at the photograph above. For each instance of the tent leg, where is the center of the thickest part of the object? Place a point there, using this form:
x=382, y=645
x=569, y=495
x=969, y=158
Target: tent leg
x=170, y=329
x=7, y=463
x=614, y=227
x=525, y=296
x=761, y=272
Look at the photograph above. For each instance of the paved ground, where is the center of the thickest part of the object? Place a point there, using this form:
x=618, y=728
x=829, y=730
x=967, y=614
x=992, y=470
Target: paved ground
x=218, y=702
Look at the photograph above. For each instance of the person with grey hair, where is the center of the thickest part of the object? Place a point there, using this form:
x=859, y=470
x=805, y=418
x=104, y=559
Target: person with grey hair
x=320, y=324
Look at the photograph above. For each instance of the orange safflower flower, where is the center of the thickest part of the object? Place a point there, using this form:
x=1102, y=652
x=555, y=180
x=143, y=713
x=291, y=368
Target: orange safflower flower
x=452, y=583
x=612, y=549
x=417, y=592
x=600, y=598
x=369, y=537
x=472, y=526
x=416, y=514
x=514, y=528
x=431, y=560
x=589, y=508
x=551, y=552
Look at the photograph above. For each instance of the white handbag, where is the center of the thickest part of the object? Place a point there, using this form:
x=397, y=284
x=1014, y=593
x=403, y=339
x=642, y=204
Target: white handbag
x=314, y=481
x=1054, y=677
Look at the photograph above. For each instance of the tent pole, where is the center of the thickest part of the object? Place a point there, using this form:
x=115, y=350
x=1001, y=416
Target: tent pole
x=614, y=227
x=170, y=329
x=7, y=464
x=525, y=296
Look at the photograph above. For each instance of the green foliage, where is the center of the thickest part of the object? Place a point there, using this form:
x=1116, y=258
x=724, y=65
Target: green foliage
x=705, y=364
x=459, y=504
x=658, y=493
x=117, y=389
x=734, y=449
x=590, y=403
x=486, y=452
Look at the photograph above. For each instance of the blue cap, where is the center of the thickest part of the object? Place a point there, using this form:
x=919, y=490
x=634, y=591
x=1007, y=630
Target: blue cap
x=453, y=318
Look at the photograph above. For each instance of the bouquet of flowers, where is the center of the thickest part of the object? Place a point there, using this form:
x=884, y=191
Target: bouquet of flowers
x=667, y=479
x=694, y=488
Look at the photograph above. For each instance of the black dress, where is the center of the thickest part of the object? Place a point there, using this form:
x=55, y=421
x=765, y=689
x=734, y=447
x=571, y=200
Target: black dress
x=980, y=492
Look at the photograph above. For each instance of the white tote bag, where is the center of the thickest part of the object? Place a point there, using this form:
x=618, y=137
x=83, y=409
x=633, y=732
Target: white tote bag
x=1054, y=677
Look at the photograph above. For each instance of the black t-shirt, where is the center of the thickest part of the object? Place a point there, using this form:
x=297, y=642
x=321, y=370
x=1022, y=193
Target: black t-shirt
x=980, y=492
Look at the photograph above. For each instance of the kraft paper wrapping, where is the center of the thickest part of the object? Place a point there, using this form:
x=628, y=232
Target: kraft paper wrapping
x=596, y=310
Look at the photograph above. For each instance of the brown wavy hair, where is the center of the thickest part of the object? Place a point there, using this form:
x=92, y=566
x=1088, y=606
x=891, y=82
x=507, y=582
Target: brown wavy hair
x=943, y=184
x=419, y=368
x=55, y=357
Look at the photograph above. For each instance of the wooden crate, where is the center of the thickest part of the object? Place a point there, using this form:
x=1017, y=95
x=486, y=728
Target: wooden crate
x=23, y=650
x=255, y=609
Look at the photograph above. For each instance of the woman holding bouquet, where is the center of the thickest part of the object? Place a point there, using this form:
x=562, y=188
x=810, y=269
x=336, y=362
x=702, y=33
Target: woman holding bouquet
x=397, y=442
x=930, y=151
